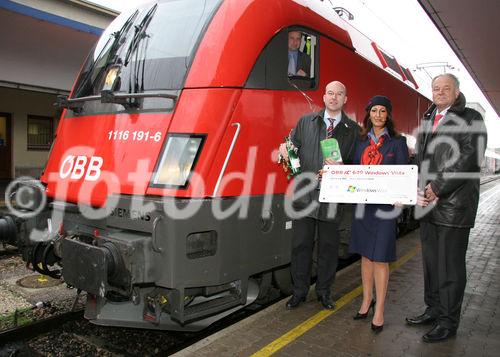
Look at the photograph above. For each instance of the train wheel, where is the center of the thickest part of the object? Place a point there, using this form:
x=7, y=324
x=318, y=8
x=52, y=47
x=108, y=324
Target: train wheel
x=283, y=280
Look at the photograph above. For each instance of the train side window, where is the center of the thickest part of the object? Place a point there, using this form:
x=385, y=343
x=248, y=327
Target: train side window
x=289, y=61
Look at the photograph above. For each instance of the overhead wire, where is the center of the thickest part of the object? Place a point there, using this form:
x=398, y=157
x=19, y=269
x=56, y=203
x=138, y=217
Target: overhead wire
x=363, y=3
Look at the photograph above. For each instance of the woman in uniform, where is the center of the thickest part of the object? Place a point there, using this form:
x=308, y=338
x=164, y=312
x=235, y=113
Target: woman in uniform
x=374, y=236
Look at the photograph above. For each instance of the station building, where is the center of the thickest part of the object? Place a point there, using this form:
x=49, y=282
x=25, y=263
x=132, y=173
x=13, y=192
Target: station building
x=43, y=45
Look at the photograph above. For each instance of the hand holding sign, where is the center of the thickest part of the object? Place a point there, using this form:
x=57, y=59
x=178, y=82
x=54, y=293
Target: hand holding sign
x=385, y=184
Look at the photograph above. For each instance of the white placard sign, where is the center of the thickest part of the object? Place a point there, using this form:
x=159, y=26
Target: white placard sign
x=369, y=184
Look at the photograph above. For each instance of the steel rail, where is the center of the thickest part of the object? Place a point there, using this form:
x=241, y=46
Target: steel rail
x=39, y=327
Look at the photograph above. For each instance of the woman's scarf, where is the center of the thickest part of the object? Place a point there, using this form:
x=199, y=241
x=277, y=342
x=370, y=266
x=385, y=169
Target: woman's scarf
x=371, y=155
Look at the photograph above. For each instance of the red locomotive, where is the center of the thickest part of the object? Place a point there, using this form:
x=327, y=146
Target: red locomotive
x=164, y=201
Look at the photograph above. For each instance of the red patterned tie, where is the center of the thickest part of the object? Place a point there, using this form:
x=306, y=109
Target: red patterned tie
x=329, y=130
x=437, y=117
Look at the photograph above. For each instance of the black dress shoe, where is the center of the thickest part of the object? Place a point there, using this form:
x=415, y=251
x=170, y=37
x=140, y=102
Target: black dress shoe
x=423, y=319
x=326, y=301
x=360, y=316
x=438, y=333
x=377, y=328
x=294, y=302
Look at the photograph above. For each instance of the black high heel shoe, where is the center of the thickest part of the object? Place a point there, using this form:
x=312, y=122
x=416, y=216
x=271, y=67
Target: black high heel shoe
x=376, y=328
x=359, y=316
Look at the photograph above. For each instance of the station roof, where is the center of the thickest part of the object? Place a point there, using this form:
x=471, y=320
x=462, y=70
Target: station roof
x=44, y=43
x=471, y=28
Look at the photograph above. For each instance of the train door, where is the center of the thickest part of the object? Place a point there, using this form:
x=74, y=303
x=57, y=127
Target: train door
x=277, y=93
x=5, y=147
x=270, y=105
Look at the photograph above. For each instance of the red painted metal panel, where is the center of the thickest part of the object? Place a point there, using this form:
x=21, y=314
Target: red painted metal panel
x=203, y=111
x=94, y=136
x=239, y=32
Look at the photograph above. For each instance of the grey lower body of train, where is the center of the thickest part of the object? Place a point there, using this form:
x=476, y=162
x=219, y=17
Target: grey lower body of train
x=164, y=263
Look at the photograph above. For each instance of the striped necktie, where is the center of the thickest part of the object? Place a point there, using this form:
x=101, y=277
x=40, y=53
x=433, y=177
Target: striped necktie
x=329, y=130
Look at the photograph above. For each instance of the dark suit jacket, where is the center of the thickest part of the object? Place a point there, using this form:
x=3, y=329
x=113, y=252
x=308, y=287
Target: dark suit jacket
x=304, y=63
x=306, y=136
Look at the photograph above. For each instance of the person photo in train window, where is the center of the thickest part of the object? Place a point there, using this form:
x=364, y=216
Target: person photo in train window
x=450, y=149
x=312, y=128
x=372, y=235
x=299, y=63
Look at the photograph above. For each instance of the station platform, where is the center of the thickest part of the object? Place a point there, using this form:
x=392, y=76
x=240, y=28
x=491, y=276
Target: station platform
x=311, y=331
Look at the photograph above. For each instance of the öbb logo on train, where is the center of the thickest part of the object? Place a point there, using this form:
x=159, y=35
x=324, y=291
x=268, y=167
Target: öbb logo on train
x=76, y=167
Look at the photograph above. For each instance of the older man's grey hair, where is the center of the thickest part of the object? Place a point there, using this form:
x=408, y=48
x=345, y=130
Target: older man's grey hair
x=449, y=75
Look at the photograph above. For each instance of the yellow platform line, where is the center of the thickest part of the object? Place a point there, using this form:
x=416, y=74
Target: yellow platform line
x=305, y=326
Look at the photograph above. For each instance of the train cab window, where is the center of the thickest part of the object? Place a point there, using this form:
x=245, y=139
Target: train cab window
x=148, y=50
x=289, y=61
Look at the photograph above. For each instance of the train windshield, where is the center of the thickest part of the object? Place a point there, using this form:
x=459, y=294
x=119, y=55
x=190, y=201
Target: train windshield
x=145, y=50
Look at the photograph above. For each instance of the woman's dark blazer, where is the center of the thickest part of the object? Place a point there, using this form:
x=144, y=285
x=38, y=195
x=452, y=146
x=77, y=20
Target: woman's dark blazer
x=371, y=236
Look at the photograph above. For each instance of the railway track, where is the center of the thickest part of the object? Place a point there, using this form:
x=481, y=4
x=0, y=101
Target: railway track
x=8, y=251
x=30, y=330
x=69, y=334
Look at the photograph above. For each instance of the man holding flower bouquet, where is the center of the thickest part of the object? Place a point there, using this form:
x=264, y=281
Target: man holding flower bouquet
x=327, y=137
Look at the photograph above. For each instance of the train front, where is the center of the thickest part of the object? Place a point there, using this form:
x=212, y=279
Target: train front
x=126, y=216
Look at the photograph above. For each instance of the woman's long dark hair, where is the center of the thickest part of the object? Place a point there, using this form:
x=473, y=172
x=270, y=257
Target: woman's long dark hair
x=367, y=125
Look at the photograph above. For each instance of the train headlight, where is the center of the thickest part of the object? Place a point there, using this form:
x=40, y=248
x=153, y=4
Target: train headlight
x=111, y=76
x=177, y=160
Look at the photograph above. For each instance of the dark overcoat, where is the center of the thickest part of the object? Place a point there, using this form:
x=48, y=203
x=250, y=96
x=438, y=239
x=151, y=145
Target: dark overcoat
x=450, y=160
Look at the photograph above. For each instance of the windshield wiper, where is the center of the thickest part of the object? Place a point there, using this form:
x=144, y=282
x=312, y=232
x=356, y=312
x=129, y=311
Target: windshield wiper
x=76, y=104
x=127, y=100
x=132, y=98
x=140, y=34
x=117, y=42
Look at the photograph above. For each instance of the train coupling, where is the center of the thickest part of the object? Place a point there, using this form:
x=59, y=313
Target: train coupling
x=27, y=205
x=96, y=269
x=8, y=230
